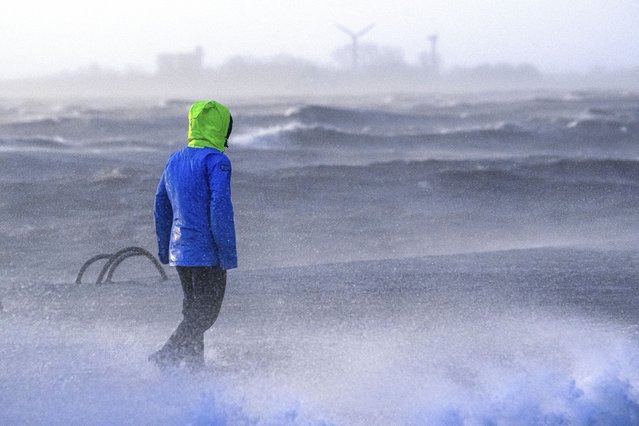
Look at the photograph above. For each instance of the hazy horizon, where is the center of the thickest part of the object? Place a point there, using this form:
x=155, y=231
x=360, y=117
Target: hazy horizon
x=555, y=36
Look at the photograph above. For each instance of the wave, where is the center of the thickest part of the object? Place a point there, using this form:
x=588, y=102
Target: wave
x=358, y=119
x=325, y=114
x=58, y=143
x=615, y=170
x=103, y=125
x=530, y=175
x=603, y=126
x=34, y=143
x=538, y=182
x=37, y=123
x=497, y=130
x=375, y=119
x=297, y=132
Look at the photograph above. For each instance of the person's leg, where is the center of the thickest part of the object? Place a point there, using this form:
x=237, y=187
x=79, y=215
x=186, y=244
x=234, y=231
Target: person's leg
x=209, y=285
x=173, y=350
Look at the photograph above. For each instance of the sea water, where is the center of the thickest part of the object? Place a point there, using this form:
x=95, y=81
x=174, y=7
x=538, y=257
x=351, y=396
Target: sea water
x=449, y=259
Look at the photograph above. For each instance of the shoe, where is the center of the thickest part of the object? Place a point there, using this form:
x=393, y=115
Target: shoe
x=164, y=359
x=194, y=362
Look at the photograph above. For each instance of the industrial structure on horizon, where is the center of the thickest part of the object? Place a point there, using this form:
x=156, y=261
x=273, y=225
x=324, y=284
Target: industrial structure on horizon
x=188, y=63
x=191, y=63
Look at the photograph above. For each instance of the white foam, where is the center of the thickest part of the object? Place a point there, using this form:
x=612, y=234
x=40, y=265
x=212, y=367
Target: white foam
x=440, y=368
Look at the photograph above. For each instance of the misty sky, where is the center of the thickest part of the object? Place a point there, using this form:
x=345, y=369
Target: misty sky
x=44, y=36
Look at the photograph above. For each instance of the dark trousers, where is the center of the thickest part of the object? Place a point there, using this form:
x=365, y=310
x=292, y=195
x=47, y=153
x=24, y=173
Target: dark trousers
x=203, y=289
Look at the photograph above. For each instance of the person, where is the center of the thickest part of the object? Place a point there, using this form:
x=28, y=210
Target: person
x=195, y=229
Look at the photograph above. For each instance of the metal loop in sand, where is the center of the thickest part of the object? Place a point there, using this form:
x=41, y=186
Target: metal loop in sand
x=88, y=263
x=134, y=251
x=114, y=260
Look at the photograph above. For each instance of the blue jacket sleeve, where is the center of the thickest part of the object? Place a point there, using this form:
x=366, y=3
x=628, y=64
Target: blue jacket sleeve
x=222, y=223
x=163, y=221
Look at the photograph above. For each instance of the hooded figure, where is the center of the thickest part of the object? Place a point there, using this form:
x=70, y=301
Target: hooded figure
x=195, y=228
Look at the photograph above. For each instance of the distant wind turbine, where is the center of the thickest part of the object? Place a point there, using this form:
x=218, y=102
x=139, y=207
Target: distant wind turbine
x=355, y=36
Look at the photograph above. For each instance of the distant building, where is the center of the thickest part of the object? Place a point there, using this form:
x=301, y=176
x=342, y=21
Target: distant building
x=180, y=63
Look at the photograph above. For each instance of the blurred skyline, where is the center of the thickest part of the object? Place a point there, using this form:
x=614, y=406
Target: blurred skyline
x=42, y=38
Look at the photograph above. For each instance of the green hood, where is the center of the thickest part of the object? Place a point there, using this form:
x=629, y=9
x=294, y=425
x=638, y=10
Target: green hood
x=208, y=125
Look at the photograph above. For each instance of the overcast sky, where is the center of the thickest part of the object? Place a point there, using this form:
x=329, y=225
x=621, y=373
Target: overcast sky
x=43, y=36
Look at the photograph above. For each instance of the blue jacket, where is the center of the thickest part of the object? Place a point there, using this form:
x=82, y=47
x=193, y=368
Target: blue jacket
x=193, y=209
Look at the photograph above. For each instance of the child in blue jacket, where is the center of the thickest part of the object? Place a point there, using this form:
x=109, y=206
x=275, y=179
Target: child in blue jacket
x=195, y=229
